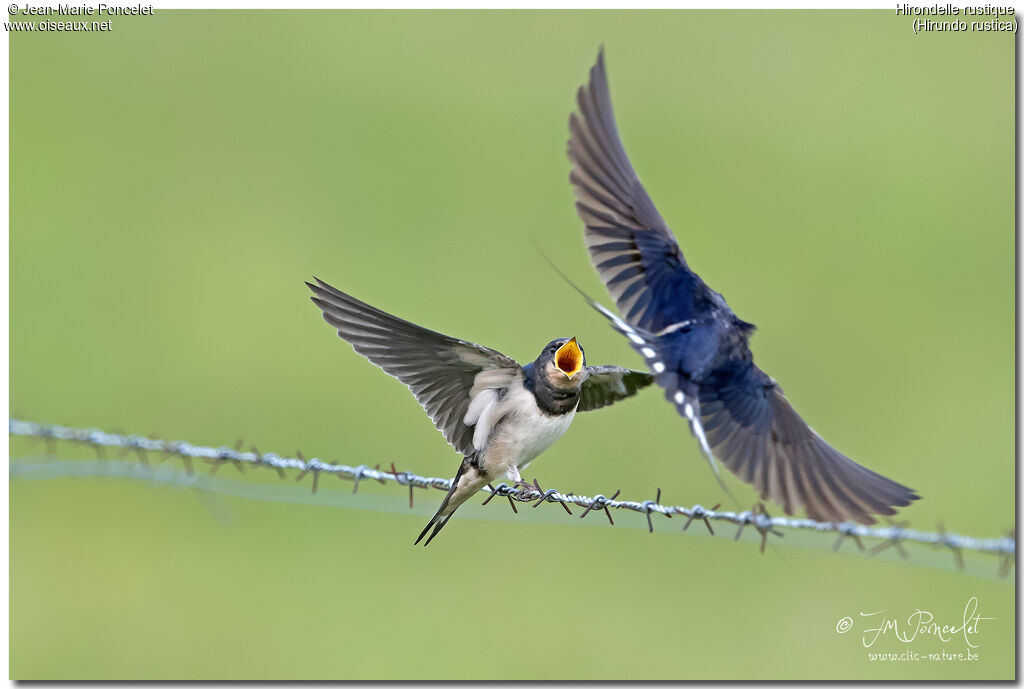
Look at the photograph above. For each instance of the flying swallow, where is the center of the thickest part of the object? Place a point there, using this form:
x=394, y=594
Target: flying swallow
x=498, y=415
x=694, y=344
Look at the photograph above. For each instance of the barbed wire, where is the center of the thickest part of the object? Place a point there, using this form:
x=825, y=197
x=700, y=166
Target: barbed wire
x=892, y=536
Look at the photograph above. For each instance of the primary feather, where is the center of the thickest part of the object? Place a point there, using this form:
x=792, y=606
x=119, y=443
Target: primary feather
x=694, y=344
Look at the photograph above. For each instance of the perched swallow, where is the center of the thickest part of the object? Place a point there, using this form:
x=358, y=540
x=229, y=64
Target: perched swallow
x=695, y=345
x=499, y=415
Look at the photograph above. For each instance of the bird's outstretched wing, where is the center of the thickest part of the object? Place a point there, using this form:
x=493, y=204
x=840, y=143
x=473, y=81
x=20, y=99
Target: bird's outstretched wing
x=757, y=434
x=739, y=414
x=634, y=251
x=444, y=373
x=606, y=385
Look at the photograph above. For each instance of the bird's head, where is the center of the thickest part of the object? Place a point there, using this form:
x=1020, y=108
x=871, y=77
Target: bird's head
x=562, y=361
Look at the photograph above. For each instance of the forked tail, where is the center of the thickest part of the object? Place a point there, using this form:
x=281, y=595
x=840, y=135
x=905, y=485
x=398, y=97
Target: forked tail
x=466, y=483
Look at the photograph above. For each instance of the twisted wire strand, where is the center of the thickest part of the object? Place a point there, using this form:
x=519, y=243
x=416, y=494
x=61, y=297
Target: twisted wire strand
x=757, y=517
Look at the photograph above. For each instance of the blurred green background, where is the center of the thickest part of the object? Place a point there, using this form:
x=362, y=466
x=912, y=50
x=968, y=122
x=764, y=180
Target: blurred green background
x=847, y=185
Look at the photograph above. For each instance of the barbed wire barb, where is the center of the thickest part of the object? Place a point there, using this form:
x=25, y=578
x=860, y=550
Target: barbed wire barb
x=894, y=535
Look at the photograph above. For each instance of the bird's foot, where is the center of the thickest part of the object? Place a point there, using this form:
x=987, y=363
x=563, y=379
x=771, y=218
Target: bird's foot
x=526, y=487
x=528, y=491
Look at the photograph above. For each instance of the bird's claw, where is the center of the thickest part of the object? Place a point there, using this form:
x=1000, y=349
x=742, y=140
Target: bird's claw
x=525, y=487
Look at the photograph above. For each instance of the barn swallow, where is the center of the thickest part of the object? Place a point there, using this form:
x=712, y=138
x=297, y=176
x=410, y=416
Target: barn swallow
x=694, y=344
x=498, y=415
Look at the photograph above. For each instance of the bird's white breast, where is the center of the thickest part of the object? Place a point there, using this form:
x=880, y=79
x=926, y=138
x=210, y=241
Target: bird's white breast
x=523, y=433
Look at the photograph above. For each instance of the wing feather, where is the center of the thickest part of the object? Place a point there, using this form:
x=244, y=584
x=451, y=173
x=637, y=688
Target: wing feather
x=606, y=385
x=760, y=437
x=613, y=203
x=443, y=373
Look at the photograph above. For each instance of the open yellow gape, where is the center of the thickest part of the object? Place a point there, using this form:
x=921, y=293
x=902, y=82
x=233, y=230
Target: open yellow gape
x=569, y=358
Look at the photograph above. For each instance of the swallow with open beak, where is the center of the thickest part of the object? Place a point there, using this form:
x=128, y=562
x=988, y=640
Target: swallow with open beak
x=694, y=344
x=499, y=415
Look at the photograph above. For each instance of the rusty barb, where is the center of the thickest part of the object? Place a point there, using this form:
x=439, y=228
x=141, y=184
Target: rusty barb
x=892, y=536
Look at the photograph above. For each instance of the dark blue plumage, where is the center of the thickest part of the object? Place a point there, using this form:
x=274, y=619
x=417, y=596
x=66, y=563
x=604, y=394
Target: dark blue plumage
x=694, y=344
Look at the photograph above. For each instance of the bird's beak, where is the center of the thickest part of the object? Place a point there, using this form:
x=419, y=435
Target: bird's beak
x=569, y=358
